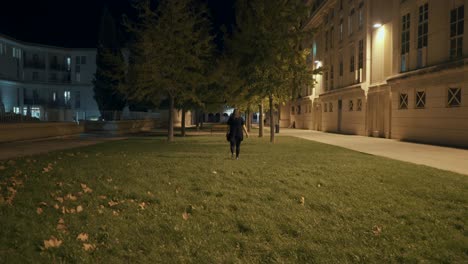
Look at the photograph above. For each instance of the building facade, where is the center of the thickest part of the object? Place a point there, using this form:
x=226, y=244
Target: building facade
x=49, y=83
x=391, y=68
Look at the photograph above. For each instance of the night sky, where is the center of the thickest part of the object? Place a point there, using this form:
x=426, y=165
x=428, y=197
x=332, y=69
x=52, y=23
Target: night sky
x=75, y=23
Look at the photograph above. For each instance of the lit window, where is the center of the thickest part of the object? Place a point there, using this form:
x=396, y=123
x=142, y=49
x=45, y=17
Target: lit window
x=351, y=105
x=420, y=99
x=67, y=96
x=457, y=20
x=54, y=96
x=68, y=63
x=454, y=97
x=16, y=110
x=403, y=101
x=359, y=105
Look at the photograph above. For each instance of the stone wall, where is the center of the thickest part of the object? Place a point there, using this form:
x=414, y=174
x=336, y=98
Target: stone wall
x=27, y=131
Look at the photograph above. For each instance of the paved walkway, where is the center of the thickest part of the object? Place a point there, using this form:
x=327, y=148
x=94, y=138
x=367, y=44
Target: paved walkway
x=444, y=158
x=33, y=147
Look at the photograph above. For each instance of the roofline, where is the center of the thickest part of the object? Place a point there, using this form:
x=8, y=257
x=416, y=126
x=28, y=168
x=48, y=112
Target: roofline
x=318, y=13
x=24, y=43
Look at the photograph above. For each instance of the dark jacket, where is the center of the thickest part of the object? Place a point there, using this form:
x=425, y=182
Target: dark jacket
x=236, y=128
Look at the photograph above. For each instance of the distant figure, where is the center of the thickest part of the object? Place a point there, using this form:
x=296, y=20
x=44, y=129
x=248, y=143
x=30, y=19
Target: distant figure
x=236, y=129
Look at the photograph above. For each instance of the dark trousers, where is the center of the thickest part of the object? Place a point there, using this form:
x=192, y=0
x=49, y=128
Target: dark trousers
x=235, y=142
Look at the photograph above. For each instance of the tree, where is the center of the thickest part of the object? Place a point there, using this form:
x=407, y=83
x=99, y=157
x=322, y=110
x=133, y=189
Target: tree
x=110, y=72
x=172, y=49
x=267, y=46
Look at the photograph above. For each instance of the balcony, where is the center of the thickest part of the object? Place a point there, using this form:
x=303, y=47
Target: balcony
x=31, y=64
x=58, y=67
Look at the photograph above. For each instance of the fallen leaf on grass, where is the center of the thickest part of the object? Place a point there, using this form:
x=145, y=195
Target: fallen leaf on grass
x=71, y=197
x=39, y=211
x=377, y=230
x=48, y=168
x=53, y=242
x=56, y=206
x=102, y=197
x=43, y=204
x=86, y=189
x=82, y=237
x=109, y=180
x=61, y=226
x=302, y=201
x=89, y=247
x=142, y=205
x=112, y=203
x=79, y=209
x=115, y=213
x=59, y=199
x=185, y=216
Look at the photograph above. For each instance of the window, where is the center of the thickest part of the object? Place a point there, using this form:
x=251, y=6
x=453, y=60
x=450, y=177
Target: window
x=341, y=29
x=332, y=39
x=330, y=107
x=68, y=63
x=351, y=105
x=420, y=99
x=331, y=78
x=403, y=101
x=326, y=81
x=350, y=22
x=326, y=40
x=16, y=53
x=405, y=41
x=67, y=97
x=457, y=20
x=16, y=110
x=454, y=97
x=341, y=65
x=298, y=109
x=54, y=97
x=341, y=4
x=359, y=105
x=78, y=77
x=361, y=54
x=325, y=109
x=351, y=60
x=361, y=15
x=423, y=28
x=35, y=76
x=83, y=59
x=77, y=99
x=78, y=60
x=77, y=68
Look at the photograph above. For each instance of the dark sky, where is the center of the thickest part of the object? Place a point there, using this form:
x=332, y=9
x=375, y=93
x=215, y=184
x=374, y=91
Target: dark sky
x=75, y=23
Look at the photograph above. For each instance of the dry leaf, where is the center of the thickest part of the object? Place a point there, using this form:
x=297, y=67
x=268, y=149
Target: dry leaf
x=71, y=197
x=79, y=209
x=214, y=172
x=59, y=199
x=377, y=230
x=43, y=203
x=56, y=206
x=302, y=201
x=60, y=184
x=72, y=211
x=185, y=216
x=112, y=203
x=53, y=242
x=109, y=180
x=142, y=205
x=102, y=197
x=89, y=247
x=61, y=226
x=82, y=237
x=39, y=211
x=64, y=210
x=115, y=213
x=86, y=189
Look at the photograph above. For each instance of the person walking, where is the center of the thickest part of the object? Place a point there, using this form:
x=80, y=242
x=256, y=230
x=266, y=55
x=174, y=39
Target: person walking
x=236, y=128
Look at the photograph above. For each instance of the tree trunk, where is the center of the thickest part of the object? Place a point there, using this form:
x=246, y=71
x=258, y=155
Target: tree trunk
x=260, y=120
x=197, y=119
x=279, y=116
x=202, y=114
x=170, y=128
x=272, y=121
x=183, y=122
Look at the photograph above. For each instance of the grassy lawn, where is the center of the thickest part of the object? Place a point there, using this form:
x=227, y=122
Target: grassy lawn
x=145, y=200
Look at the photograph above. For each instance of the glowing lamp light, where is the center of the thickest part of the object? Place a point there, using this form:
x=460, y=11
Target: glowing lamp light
x=377, y=25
